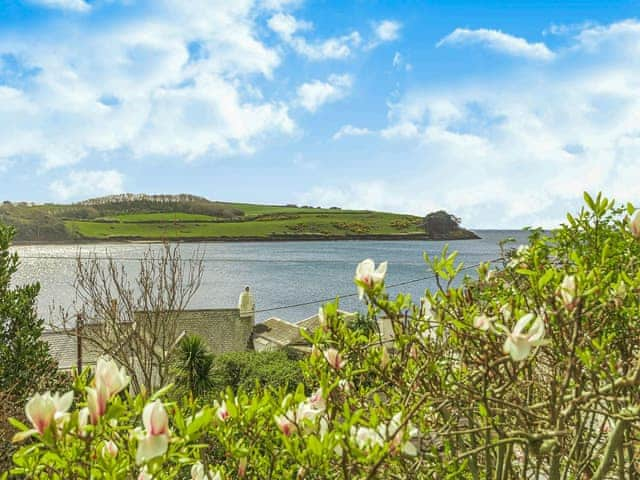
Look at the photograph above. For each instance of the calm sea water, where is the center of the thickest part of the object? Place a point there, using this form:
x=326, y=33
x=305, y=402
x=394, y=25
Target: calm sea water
x=279, y=273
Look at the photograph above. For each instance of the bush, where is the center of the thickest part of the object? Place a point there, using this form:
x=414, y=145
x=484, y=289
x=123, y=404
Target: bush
x=242, y=371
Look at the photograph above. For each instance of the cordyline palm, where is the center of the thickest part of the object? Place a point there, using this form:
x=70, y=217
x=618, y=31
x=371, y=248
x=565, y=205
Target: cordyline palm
x=193, y=363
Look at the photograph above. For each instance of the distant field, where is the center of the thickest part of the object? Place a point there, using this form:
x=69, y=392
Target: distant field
x=148, y=217
x=294, y=222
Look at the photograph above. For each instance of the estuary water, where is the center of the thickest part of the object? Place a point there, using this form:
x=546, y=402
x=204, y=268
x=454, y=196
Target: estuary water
x=280, y=274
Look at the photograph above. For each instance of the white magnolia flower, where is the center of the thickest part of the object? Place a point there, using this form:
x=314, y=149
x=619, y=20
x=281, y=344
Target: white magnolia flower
x=518, y=256
x=45, y=410
x=366, y=438
x=198, y=472
x=520, y=342
x=285, y=424
x=113, y=378
x=369, y=275
x=156, y=440
x=334, y=358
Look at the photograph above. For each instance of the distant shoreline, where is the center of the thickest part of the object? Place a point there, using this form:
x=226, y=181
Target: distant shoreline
x=275, y=238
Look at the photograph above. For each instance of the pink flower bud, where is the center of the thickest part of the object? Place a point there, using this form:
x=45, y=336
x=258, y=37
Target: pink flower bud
x=109, y=449
x=155, y=419
x=222, y=413
x=635, y=225
x=97, y=399
x=286, y=426
x=242, y=467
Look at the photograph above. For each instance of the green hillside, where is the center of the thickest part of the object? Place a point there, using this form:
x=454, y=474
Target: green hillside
x=143, y=217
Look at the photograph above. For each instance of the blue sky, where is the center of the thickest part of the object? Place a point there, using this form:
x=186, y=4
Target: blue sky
x=500, y=112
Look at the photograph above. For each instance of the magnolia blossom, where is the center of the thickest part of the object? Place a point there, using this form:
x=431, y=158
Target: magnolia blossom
x=109, y=449
x=317, y=400
x=483, y=322
x=286, y=426
x=156, y=440
x=369, y=275
x=108, y=374
x=109, y=381
x=366, y=438
x=396, y=433
x=568, y=291
x=304, y=416
x=334, y=358
x=97, y=399
x=635, y=225
x=222, y=412
x=519, y=342
x=44, y=410
x=518, y=255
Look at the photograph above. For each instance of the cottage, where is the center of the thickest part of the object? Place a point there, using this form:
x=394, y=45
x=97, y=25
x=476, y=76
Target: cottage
x=223, y=329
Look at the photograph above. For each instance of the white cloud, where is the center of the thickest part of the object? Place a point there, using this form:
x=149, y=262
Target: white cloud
x=313, y=95
x=351, y=131
x=286, y=25
x=500, y=153
x=88, y=183
x=71, y=5
x=147, y=92
x=499, y=42
x=387, y=30
x=339, y=47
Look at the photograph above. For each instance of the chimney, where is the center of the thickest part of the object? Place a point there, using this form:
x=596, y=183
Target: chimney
x=247, y=305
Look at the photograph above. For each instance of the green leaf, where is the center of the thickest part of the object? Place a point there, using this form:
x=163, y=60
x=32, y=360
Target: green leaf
x=589, y=201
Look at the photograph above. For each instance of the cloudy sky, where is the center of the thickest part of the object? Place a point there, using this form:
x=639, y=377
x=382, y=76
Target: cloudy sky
x=500, y=112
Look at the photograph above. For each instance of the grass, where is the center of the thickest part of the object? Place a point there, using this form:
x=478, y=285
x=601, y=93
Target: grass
x=293, y=222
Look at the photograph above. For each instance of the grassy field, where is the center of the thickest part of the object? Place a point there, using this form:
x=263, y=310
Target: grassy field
x=261, y=223
x=201, y=219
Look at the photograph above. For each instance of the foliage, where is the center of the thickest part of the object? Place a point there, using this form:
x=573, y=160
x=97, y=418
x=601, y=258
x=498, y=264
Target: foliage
x=527, y=372
x=242, y=371
x=192, y=366
x=25, y=363
x=441, y=223
x=24, y=356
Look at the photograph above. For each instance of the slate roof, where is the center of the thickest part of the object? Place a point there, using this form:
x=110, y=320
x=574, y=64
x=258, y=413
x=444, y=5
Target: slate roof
x=279, y=332
x=64, y=349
